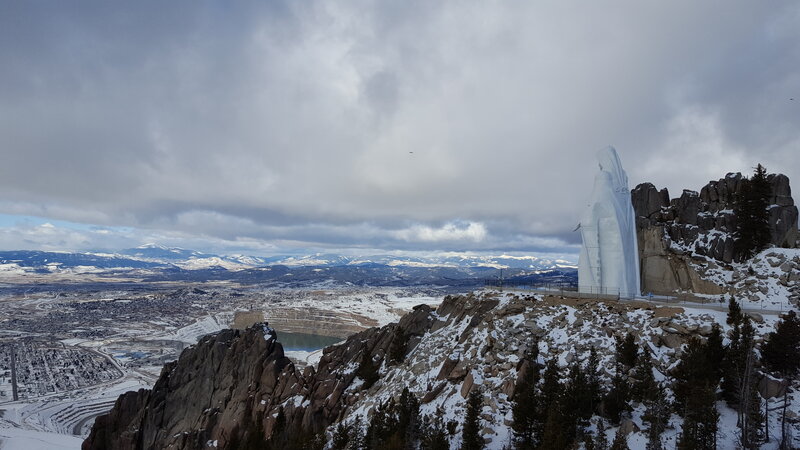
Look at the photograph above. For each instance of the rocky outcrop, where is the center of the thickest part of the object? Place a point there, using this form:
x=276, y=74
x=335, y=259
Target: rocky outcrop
x=680, y=238
x=665, y=272
x=217, y=390
x=231, y=385
x=772, y=277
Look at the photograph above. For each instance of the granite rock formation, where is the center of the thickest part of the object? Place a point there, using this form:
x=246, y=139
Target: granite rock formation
x=677, y=237
x=232, y=384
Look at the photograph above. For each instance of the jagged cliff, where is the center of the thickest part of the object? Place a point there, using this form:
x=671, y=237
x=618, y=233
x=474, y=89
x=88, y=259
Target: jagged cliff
x=230, y=387
x=681, y=238
x=232, y=383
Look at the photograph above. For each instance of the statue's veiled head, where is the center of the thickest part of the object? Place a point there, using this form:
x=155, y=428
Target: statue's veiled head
x=609, y=162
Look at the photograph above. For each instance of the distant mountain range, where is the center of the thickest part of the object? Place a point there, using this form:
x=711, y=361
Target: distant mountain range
x=157, y=263
x=155, y=256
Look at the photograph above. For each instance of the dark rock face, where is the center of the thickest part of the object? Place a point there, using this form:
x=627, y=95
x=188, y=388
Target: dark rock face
x=232, y=384
x=700, y=224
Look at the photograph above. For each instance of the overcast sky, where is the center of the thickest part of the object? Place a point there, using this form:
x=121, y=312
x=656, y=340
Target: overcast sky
x=267, y=127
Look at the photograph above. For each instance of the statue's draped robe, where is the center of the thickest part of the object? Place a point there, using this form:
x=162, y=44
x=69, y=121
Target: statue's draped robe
x=609, y=258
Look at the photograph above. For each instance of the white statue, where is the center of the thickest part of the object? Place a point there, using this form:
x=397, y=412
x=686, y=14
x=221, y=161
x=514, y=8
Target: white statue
x=609, y=259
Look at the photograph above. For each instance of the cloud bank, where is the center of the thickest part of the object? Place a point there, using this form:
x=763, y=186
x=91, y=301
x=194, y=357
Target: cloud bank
x=427, y=126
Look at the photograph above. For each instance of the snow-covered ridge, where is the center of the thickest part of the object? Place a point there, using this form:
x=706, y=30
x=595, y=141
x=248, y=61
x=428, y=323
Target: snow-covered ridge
x=152, y=256
x=454, y=358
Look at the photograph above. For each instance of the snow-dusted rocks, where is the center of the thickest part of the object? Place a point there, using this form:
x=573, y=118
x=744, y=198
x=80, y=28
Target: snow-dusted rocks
x=609, y=259
x=235, y=381
x=681, y=239
x=771, y=278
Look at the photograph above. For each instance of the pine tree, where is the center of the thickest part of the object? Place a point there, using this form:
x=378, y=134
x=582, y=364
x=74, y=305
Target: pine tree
x=408, y=418
x=752, y=216
x=525, y=402
x=734, y=313
x=620, y=441
x=657, y=414
x=746, y=365
x=434, y=436
x=781, y=352
x=693, y=369
x=381, y=432
x=700, y=420
x=616, y=401
x=644, y=386
x=551, y=387
x=341, y=437
x=601, y=441
x=554, y=436
x=715, y=351
x=781, y=355
x=357, y=438
x=395, y=424
x=732, y=368
x=593, y=379
x=576, y=402
x=627, y=350
x=752, y=418
x=470, y=436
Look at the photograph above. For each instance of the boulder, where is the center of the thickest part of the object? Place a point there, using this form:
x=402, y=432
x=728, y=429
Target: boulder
x=627, y=426
x=433, y=393
x=447, y=367
x=757, y=318
x=466, y=387
x=672, y=341
x=770, y=387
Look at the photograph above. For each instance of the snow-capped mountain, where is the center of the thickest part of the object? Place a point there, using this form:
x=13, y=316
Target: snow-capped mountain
x=155, y=257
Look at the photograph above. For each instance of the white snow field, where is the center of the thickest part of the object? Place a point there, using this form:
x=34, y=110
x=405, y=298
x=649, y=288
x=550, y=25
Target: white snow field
x=22, y=439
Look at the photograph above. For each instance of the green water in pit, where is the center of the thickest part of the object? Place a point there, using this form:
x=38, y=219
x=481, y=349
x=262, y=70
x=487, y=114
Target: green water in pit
x=304, y=341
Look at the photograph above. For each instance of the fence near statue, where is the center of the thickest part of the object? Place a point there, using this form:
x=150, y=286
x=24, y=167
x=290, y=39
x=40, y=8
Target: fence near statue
x=565, y=286
x=570, y=290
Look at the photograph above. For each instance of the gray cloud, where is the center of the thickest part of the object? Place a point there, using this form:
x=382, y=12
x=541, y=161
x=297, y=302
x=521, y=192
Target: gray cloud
x=292, y=124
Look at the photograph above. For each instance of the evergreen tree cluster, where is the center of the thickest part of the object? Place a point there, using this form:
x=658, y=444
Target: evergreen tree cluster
x=752, y=216
x=740, y=377
x=549, y=414
x=781, y=355
x=394, y=425
x=282, y=437
x=470, y=436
